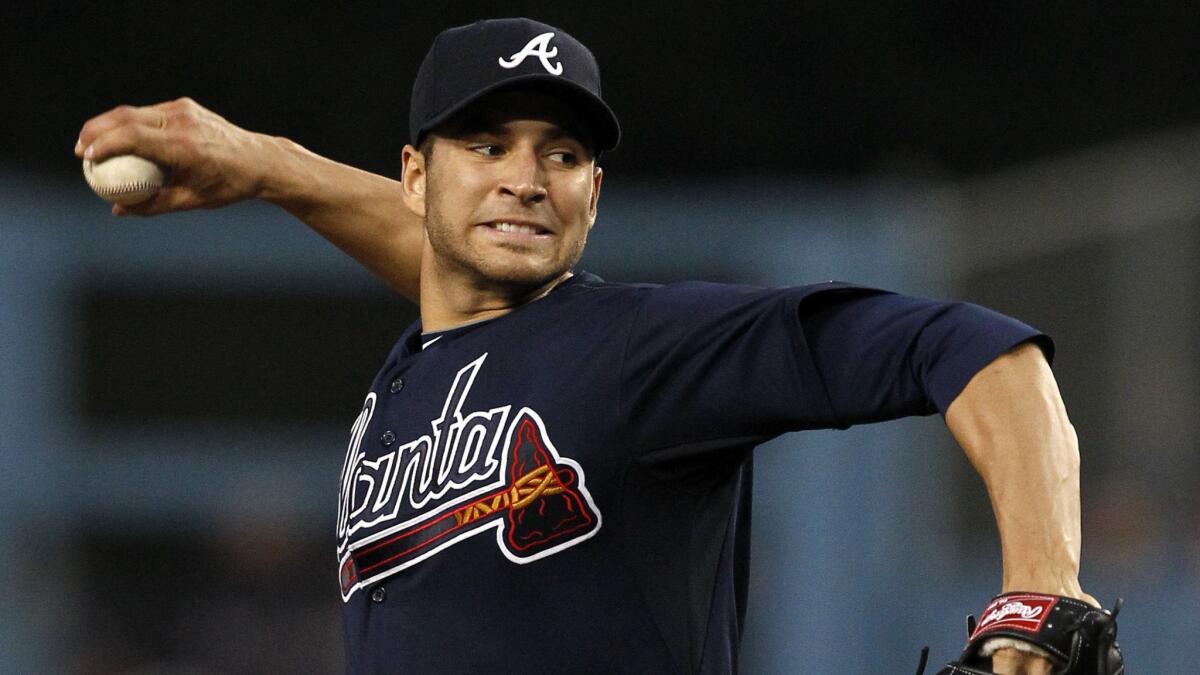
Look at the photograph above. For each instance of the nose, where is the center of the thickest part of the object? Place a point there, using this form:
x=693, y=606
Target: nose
x=524, y=177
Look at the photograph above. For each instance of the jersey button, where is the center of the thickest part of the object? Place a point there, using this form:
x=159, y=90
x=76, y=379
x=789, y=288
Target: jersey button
x=378, y=594
x=388, y=437
x=397, y=385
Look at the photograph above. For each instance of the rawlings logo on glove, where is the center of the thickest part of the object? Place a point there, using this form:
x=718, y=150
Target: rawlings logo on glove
x=1022, y=612
x=1075, y=636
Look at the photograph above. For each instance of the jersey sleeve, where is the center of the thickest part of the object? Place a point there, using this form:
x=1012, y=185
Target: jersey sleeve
x=709, y=367
x=884, y=355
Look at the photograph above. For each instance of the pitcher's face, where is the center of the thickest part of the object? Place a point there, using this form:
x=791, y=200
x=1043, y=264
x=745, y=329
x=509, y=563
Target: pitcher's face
x=511, y=190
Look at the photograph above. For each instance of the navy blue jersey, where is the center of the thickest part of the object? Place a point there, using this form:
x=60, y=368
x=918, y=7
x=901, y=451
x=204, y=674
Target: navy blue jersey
x=566, y=488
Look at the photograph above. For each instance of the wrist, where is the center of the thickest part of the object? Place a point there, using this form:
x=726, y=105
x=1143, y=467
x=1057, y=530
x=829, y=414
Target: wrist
x=278, y=177
x=1066, y=586
x=1052, y=585
x=1042, y=564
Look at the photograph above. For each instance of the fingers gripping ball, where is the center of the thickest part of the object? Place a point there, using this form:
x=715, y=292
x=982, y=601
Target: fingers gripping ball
x=124, y=179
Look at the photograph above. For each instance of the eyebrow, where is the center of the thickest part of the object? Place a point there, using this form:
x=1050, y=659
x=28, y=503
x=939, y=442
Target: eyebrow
x=489, y=124
x=497, y=128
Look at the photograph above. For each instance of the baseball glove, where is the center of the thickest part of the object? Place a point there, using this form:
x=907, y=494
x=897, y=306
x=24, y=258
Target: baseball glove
x=1077, y=637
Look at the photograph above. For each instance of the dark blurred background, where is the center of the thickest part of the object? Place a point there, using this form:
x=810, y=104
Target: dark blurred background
x=176, y=392
x=723, y=89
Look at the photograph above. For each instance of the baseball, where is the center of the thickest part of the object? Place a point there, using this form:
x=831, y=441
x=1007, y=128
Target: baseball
x=124, y=179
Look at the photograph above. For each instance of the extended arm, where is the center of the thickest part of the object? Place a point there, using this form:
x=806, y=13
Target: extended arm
x=1013, y=426
x=883, y=356
x=214, y=163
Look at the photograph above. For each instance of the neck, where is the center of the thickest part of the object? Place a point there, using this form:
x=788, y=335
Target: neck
x=452, y=298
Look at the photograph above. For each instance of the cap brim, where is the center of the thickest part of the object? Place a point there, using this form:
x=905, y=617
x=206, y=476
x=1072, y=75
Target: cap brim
x=599, y=117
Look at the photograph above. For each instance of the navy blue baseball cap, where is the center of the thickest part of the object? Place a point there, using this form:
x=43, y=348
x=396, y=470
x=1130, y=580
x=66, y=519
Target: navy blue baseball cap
x=468, y=62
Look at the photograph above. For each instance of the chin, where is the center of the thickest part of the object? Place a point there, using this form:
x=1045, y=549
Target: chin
x=523, y=273
x=504, y=268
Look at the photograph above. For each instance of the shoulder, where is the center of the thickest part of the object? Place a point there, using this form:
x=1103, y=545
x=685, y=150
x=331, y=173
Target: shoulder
x=690, y=301
x=586, y=283
x=658, y=311
x=707, y=299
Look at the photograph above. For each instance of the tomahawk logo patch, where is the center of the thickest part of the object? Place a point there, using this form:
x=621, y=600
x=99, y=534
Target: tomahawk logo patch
x=476, y=471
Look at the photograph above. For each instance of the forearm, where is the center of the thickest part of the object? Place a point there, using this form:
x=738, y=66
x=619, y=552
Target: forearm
x=359, y=212
x=214, y=163
x=1013, y=426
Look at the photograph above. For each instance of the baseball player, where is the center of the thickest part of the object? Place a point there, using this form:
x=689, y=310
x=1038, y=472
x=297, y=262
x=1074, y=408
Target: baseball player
x=551, y=472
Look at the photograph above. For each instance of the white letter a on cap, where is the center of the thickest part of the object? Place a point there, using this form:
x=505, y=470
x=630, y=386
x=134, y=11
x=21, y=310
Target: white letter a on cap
x=539, y=47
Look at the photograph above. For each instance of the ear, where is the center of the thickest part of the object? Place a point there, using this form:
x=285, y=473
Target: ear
x=597, y=177
x=412, y=179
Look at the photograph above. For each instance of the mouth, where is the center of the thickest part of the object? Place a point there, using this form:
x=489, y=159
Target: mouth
x=518, y=228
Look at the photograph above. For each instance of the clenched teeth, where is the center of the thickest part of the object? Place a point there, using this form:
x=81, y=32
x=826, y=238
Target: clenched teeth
x=517, y=229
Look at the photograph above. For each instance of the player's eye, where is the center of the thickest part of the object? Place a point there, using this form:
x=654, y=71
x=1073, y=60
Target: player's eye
x=487, y=149
x=565, y=157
